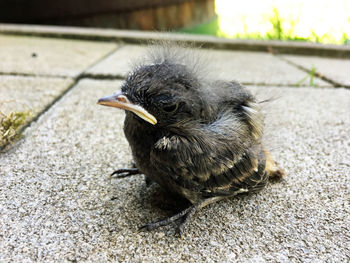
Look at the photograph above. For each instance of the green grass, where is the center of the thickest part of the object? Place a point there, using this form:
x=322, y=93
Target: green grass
x=208, y=28
x=310, y=76
x=10, y=126
x=278, y=32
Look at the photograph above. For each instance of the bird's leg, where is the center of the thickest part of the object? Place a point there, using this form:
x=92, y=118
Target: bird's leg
x=167, y=221
x=195, y=208
x=272, y=168
x=186, y=220
x=122, y=173
x=186, y=214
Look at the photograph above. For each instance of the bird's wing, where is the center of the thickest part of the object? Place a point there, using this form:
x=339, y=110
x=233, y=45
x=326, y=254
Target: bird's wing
x=219, y=158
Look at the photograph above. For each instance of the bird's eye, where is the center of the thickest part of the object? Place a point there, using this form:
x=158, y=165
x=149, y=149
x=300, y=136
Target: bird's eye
x=170, y=108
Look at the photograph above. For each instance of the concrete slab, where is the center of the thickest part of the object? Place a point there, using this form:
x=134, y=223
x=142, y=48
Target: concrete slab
x=44, y=56
x=246, y=67
x=255, y=68
x=30, y=93
x=337, y=70
x=57, y=202
x=120, y=63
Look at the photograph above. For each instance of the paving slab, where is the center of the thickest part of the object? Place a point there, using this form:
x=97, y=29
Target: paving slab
x=335, y=69
x=30, y=93
x=255, y=68
x=57, y=202
x=246, y=67
x=45, y=56
x=120, y=63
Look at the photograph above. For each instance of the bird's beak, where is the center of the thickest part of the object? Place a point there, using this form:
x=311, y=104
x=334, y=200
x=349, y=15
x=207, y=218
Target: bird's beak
x=119, y=100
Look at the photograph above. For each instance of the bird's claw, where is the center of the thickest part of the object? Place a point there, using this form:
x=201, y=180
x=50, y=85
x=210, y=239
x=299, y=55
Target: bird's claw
x=125, y=172
x=185, y=215
x=147, y=227
x=180, y=229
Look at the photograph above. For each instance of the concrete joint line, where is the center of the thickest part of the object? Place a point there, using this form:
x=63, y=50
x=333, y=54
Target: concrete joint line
x=70, y=87
x=334, y=84
x=17, y=74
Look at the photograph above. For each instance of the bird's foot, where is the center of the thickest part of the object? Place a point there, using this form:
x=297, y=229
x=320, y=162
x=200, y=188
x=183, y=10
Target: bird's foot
x=185, y=215
x=122, y=173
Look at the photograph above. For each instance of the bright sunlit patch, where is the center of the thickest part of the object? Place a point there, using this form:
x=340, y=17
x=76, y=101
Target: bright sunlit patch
x=321, y=21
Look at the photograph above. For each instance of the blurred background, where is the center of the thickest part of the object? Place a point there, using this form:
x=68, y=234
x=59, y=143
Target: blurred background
x=323, y=21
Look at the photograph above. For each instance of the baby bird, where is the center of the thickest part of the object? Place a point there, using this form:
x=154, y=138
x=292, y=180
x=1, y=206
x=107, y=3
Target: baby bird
x=198, y=138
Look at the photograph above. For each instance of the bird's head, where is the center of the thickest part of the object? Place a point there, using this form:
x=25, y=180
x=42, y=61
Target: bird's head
x=162, y=94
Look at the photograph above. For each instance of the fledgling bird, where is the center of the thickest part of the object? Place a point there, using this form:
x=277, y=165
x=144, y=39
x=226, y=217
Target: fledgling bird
x=198, y=138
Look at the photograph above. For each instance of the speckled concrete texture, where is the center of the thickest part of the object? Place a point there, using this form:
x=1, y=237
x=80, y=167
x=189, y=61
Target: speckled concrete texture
x=247, y=67
x=120, y=62
x=254, y=68
x=57, y=202
x=30, y=93
x=338, y=70
x=45, y=56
